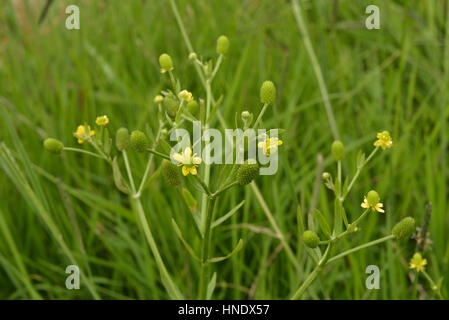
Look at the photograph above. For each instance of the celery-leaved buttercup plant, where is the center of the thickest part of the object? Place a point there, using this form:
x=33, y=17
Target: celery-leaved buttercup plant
x=185, y=170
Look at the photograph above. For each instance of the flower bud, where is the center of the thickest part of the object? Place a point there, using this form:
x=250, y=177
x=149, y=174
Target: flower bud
x=246, y=115
x=165, y=62
x=170, y=173
x=192, y=56
x=247, y=172
x=158, y=99
x=122, y=139
x=267, y=92
x=192, y=107
x=139, y=141
x=404, y=229
x=164, y=133
x=326, y=175
x=222, y=45
x=373, y=198
x=311, y=239
x=338, y=150
x=185, y=95
x=53, y=145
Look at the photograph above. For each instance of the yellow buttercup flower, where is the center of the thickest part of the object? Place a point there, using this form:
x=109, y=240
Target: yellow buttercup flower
x=270, y=145
x=102, y=120
x=417, y=262
x=82, y=134
x=371, y=200
x=185, y=95
x=383, y=140
x=188, y=161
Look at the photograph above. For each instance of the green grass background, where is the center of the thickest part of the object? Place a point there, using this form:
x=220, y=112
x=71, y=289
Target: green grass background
x=52, y=79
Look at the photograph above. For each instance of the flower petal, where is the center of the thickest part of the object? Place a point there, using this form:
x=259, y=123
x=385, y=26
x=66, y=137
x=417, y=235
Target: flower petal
x=193, y=170
x=185, y=170
x=178, y=157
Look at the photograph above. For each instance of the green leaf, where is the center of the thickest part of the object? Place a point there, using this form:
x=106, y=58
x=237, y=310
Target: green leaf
x=360, y=159
x=184, y=242
x=236, y=249
x=118, y=180
x=215, y=108
x=227, y=215
x=166, y=148
x=211, y=286
x=321, y=219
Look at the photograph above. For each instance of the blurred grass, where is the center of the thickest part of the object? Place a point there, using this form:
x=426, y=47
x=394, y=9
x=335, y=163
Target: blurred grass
x=52, y=79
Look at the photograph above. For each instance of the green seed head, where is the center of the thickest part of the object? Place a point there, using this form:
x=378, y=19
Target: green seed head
x=171, y=106
x=192, y=106
x=338, y=150
x=373, y=198
x=404, y=229
x=139, y=141
x=54, y=146
x=311, y=239
x=165, y=62
x=171, y=173
x=247, y=172
x=267, y=92
x=122, y=139
x=222, y=45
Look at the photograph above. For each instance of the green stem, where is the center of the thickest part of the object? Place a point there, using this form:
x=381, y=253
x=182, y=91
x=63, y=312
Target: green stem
x=433, y=286
x=309, y=280
x=206, y=178
x=203, y=184
x=363, y=246
x=85, y=152
x=163, y=156
x=217, y=66
x=359, y=169
x=205, y=251
x=137, y=205
x=172, y=80
x=354, y=224
x=128, y=170
x=259, y=117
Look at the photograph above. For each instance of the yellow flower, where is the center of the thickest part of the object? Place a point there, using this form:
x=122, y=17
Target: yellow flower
x=417, y=262
x=270, y=145
x=189, y=162
x=185, y=95
x=82, y=134
x=383, y=140
x=371, y=200
x=102, y=120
